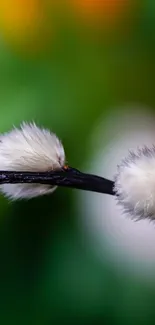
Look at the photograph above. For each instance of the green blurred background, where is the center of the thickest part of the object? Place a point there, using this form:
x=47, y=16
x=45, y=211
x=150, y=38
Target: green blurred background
x=64, y=64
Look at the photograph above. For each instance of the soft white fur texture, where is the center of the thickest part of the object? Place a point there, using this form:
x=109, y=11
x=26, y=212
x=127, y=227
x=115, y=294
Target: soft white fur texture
x=29, y=148
x=135, y=183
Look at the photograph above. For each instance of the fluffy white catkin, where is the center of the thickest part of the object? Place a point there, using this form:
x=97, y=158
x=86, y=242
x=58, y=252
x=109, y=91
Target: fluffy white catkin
x=135, y=183
x=29, y=148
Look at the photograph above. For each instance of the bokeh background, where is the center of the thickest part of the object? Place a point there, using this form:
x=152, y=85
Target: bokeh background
x=86, y=70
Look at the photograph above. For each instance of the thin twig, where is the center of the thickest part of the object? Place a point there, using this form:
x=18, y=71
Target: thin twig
x=71, y=178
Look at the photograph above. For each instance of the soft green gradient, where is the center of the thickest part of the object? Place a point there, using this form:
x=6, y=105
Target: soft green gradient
x=48, y=274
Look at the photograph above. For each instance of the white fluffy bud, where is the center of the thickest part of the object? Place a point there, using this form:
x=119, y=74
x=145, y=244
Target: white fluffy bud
x=135, y=183
x=30, y=148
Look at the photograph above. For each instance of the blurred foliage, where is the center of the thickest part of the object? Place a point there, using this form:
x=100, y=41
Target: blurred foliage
x=64, y=72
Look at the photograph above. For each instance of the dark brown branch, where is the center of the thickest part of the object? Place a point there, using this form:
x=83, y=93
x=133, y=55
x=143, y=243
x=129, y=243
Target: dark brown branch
x=70, y=178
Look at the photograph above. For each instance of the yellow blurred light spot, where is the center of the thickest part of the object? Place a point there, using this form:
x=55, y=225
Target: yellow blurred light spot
x=23, y=22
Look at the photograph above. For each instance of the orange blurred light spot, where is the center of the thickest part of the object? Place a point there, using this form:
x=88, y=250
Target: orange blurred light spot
x=97, y=10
